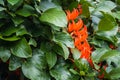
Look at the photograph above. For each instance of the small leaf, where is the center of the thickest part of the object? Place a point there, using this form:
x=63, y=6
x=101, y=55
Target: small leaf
x=21, y=49
x=65, y=50
x=116, y=14
x=14, y=63
x=22, y=31
x=51, y=58
x=76, y=53
x=17, y=21
x=4, y=54
x=13, y=2
x=11, y=38
x=61, y=49
x=32, y=42
x=54, y=16
x=107, y=23
x=115, y=73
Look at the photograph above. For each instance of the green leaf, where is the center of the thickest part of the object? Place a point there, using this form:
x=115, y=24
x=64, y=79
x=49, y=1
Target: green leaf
x=64, y=38
x=14, y=63
x=22, y=31
x=44, y=46
x=105, y=6
x=65, y=50
x=107, y=23
x=60, y=73
x=32, y=42
x=38, y=59
x=9, y=30
x=85, y=11
x=45, y=5
x=26, y=11
x=51, y=58
x=21, y=49
x=33, y=73
x=54, y=16
x=76, y=53
x=107, y=29
x=109, y=54
x=1, y=9
x=17, y=21
x=2, y=2
x=4, y=54
x=13, y=2
x=115, y=73
x=116, y=14
x=10, y=38
x=97, y=54
x=37, y=65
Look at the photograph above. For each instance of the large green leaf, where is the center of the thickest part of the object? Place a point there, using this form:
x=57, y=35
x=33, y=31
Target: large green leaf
x=26, y=11
x=54, y=16
x=51, y=59
x=9, y=31
x=37, y=65
x=4, y=54
x=14, y=63
x=60, y=73
x=96, y=55
x=105, y=6
x=38, y=59
x=107, y=28
x=13, y=2
x=109, y=54
x=21, y=49
x=33, y=73
x=65, y=38
x=45, y=5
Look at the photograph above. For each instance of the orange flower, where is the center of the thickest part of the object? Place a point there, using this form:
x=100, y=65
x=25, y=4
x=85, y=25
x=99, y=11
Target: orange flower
x=72, y=26
x=72, y=15
x=79, y=32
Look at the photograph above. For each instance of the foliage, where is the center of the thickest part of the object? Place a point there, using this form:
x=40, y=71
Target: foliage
x=34, y=40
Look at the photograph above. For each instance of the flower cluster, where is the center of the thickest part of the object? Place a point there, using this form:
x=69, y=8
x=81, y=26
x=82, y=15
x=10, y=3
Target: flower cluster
x=78, y=30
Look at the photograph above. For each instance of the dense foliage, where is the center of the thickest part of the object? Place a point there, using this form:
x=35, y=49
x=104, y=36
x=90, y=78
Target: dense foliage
x=36, y=44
